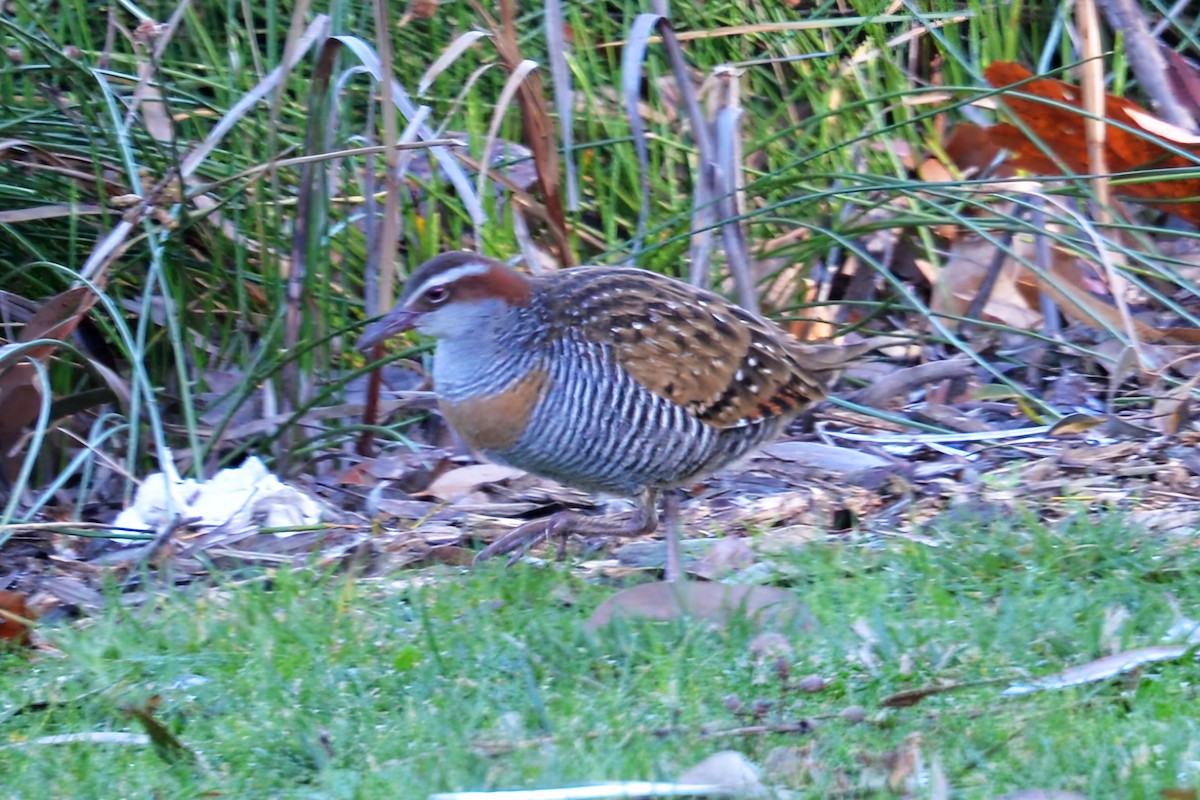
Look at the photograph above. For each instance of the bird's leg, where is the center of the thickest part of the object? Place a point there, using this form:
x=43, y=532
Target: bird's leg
x=644, y=520
x=674, y=568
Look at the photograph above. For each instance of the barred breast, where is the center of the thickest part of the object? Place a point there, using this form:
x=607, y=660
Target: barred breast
x=598, y=428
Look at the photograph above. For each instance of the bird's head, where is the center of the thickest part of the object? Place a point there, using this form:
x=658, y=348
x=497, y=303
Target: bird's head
x=452, y=295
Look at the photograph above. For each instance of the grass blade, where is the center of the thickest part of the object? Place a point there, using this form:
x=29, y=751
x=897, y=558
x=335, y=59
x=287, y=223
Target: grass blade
x=564, y=95
x=631, y=81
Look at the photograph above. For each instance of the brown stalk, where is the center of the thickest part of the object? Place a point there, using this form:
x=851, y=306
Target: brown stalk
x=384, y=247
x=536, y=122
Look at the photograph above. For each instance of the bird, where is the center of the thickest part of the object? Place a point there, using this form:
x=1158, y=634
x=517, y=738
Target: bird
x=613, y=380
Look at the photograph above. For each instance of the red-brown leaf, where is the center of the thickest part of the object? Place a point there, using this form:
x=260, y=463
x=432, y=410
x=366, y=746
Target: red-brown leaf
x=1061, y=130
x=15, y=618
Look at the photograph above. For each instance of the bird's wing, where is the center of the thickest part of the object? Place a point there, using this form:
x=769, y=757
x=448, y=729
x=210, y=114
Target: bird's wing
x=722, y=364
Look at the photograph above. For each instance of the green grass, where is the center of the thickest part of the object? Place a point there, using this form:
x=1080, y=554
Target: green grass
x=313, y=685
x=324, y=686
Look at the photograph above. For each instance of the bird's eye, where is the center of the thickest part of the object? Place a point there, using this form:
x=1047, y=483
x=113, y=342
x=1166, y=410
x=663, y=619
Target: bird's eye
x=437, y=295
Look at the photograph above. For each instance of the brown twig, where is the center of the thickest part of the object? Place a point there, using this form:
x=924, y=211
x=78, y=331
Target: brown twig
x=536, y=122
x=900, y=382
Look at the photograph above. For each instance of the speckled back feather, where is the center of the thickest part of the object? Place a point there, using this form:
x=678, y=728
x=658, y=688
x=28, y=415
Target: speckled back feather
x=722, y=364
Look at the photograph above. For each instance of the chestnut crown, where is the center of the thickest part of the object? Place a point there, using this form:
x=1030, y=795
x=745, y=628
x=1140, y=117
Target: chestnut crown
x=451, y=295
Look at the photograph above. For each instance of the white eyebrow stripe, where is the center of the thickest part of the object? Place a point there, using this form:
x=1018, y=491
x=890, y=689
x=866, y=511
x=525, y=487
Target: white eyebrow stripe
x=450, y=276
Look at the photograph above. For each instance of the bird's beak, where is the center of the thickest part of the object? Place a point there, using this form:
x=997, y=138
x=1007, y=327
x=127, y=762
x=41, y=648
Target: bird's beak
x=398, y=320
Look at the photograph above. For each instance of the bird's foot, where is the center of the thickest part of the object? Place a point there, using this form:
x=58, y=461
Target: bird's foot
x=564, y=523
x=519, y=540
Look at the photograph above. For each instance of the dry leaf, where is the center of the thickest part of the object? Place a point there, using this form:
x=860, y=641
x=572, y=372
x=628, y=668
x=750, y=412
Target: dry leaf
x=726, y=555
x=971, y=149
x=1074, y=424
x=1061, y=130
x=716, y=603
x=898, y=770
x=602, y=791
x=1101, y=669
x=57, y=318
x=1179, y=794
x=15, y=618
x=957, y=284
x=459, y=483
x=1173, y=410
x=166, y=745
x=451, y=556
x=1162, y=129
x=910, y=697
x=1041, y=794
x=791, y=766
x=155, y=118
x=905, y=773
x=1066, y=284
x=828, y=457
x=420, y=9
x=934, y=171
x=727, y=769
x=1014, y=299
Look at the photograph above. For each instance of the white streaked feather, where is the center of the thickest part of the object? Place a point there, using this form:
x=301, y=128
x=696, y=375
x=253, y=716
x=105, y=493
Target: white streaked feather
x=451, y=275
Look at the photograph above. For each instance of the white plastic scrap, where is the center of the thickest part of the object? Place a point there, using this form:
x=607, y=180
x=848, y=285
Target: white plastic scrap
x=242, y=499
